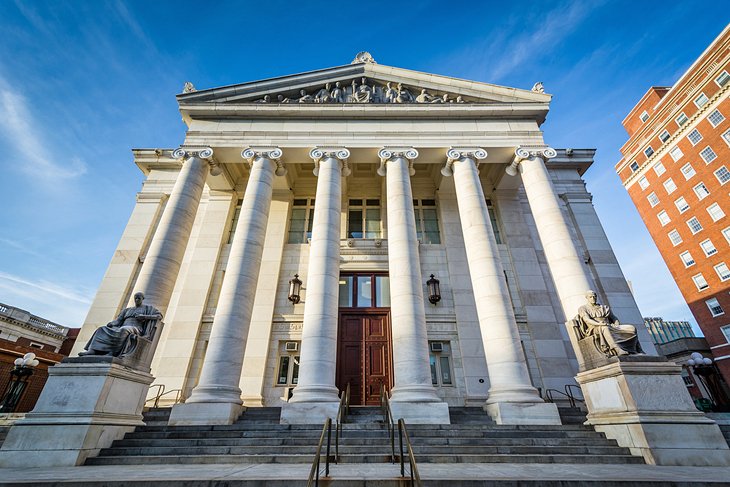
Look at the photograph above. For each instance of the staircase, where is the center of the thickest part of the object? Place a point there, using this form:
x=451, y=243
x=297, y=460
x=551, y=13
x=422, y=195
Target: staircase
x=257, y=437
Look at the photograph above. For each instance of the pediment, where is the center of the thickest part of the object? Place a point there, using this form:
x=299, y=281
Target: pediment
x=363, y=83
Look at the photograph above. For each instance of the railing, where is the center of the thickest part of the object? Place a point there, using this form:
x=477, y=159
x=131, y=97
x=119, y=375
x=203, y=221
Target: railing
x=402, y=434
x=342, y=412
x=161, y=392
x=572, y=399
x=388, y=420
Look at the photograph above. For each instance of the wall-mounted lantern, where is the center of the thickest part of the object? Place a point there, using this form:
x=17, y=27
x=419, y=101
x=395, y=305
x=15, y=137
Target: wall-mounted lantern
x=294, y=286
x=434, y=290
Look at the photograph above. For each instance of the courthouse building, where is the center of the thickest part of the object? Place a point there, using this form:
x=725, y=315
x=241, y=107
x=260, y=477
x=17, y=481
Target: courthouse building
x=675, y=166
x=364, y=182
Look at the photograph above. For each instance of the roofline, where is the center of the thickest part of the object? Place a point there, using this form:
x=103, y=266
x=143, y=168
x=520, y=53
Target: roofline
x=642, y=100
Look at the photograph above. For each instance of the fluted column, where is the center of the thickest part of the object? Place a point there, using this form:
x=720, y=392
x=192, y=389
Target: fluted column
x=410, y=339
x=217, y=397
x=162, y=263
x=512, y=397
x=317, y=365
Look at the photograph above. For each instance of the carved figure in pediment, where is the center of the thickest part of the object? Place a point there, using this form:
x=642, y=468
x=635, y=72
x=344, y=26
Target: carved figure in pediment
x=265, y=99
x=363, y=93
x=283, y=99
x=305, y=98
x=459, y=99
x=390, y=93
x=424, y=97
x=538, y=88
x=188, y=87
x=338, y=94
x=441, y=99
x=323, y=95
x=404, y=96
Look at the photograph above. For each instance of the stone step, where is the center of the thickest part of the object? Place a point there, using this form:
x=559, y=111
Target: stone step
x=251, y=425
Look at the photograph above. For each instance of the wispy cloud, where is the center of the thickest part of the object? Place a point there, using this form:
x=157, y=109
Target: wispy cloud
x=73, y=294
x=23, y=133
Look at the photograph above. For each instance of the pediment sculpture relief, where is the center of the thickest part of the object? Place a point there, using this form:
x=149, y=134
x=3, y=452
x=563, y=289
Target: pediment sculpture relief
x=362, y=91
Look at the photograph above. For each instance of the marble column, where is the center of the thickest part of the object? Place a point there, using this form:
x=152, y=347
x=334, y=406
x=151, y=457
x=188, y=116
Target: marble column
x=161, y=265
x=217, y=397
x=316, y=397
x=413, y=397
x=512, y=398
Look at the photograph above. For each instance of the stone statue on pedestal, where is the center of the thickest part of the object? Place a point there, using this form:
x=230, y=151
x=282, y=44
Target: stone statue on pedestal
x=610, y=336
x=119, y=337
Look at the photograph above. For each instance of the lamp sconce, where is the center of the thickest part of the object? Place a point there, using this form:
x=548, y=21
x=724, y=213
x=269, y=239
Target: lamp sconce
x=295, y=285
x=434, y=290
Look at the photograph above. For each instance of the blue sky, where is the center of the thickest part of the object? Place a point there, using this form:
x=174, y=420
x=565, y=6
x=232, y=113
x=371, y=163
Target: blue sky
x=83, y=82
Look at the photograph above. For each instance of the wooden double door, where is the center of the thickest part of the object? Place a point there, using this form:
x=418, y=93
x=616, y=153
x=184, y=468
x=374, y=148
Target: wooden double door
x=364, y=354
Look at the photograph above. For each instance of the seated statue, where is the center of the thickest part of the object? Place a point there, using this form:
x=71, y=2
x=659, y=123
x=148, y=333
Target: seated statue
x=610, y=335
x=119, y=337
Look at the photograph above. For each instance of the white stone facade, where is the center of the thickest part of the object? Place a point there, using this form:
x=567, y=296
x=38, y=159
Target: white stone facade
x=517, y=312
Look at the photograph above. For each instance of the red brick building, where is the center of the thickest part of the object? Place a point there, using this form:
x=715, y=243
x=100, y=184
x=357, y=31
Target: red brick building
x=675, y=167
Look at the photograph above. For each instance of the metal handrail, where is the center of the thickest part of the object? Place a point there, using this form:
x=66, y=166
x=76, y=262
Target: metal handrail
x=342, y=411
x=388, y=420
x=569, y=387
x=160, y=395
x=571, y=398
x=160, y=390
x=403, y=433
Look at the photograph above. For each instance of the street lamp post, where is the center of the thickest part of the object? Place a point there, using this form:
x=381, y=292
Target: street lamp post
x=18, y=382
x=703, y=368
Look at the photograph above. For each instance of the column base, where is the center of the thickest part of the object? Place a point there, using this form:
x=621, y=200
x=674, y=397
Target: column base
x=541, y=413
x=308, y=412
x=316, y=393
x=643, y=404
x=414, y=394
x=205, y=413
x=83, y=408
x=421, y=412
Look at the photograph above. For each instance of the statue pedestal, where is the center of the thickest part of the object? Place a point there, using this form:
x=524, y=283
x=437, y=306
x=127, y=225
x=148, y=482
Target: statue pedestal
x=642, y=402
x=87, y=403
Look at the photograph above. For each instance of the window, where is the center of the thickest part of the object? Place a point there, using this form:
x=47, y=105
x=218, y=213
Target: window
x=676, y=153
x=687, y=259
x=715, y=212
x=715, y=307
x=694, y=225
x=653, y=199
x=701, y=191
x=708, y=247
x=675, y=237
x=427, y=223
x=722, y=175
x=688, y=171
x=302, y=217
x=708, y=155
x=648, y=151
x=234, y=223
x=363, y=219
x=681, y=119
x=726, y=331
x=670, y=186
x=644, y=116
x=701, y=100
x=643, y=182
x=722, y=79
x=681, y=204
x=440, y=359
x=634, y=166
x=726, y=234
x=493, y=221
x=722, y=271
x=364, y=291
x=659, y=169
x=715, y=118
x=663, y=218
x=694, y=137
x=700, y=282
x=726, y=136
x=288, y=371
x=664, y=136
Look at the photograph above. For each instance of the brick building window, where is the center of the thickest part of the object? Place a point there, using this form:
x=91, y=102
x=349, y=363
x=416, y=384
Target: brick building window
x=694, y=225
x=715, y=212
x=675, y=237
x=726, y=332
x=634, y=166
x=708, y=155
x=694, y=137
x=722, y=175
x=681, y=119
x=648, y=152
x=722, y=79
x=676, y=153
x=687, y=259
x=681, y=204
x=664, y=136
x=659, y=169
x=663, y=218
x=726, y=136
x=726, y=234
x=670, y=186
x=701, y=191
x=715, y=118
x=643, y=182
x=700, y=282
x=722, y=271
x=701, y=100
x=714, y=305
x=688, y=171
x=708, y=247
x=653, y=199
x=644, y=116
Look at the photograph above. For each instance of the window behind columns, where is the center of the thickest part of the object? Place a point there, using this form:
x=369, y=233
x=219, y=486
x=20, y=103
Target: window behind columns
x=363, y=218
x=427, y=224
x=493, y=220
x=236, y=214
x=300, y=224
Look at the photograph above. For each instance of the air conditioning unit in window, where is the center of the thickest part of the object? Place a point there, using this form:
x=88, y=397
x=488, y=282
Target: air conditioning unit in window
x=291, y=346
x=437, y=347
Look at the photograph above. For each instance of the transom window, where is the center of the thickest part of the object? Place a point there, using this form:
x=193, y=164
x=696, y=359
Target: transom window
x=643, y=182
x=700, y=282
x=688, y=171
x=363, y=219
x=708, y=247
x=722, y=79
x=675, y=237
x=653, y=199
x=701, y=100
x=440, y=359
x=663, y=218
x=714, y=305
x=708, y=155
x=648, y=152
x=302, y=217
x=664, y=136
x=715, y=118
x=681, y=119
x=694, y=225
x=427, y=223
x=694, y=137
x=681, y=204
x=715, y=212
x=364, y=291
x=722, y=175
x=670, y=186
x=722, y=271
x=676, y=153
x=701, y=191
x=659, y=169
x=687, y=259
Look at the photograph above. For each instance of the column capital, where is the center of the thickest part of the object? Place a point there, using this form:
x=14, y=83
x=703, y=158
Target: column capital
x=523, y=152
x=387, y=153
x=204, y=153
x=458, y=153
x=339, y=153
x=273, y=154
